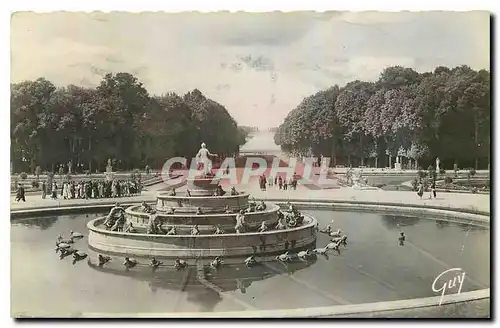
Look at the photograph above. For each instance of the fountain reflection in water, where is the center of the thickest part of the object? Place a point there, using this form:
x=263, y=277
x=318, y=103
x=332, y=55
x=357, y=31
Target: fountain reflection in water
x=202, y=285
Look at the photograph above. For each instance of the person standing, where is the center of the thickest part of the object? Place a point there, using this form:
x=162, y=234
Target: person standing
x=420, y=190
x=54, y=191
x=72, y=190
x=280, y=182
x=433, y=190
x=65, y=190
x=114, y=189
x=20, y=194
x=262, y=182
x=44, y=190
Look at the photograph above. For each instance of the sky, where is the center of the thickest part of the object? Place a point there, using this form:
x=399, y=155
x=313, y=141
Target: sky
x=258, y=65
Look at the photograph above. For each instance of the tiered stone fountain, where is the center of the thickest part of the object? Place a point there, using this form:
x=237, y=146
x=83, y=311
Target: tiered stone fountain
x=205, y=227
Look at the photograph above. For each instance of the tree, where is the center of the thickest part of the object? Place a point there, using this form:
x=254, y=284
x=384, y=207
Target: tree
x=445, y=114
x=350, y=108
x=29, y=107
x=118, y=120
x=312, y=125
x=468, y=103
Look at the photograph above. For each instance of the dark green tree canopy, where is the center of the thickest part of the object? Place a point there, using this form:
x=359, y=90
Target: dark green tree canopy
x=445, y=113
x=118, y=119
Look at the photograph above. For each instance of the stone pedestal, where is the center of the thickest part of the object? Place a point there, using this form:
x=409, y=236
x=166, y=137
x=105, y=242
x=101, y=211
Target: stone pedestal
x=203, y=186
x=109, y=176
x=397, y=165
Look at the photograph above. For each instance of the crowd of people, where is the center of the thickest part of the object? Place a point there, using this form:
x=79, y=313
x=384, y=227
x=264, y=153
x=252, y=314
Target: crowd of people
x=282, y=182
x=91, y=189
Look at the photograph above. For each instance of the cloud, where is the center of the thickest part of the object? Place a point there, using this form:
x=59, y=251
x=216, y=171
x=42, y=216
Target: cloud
x=375, y=18
x=243, y=29
x=260, y=66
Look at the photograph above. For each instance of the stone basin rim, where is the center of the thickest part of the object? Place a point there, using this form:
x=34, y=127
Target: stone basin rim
x=311, y=312
x=320, y=203
x=203, y=179
x=271, y=208
x=91, y=226
x=183, y=196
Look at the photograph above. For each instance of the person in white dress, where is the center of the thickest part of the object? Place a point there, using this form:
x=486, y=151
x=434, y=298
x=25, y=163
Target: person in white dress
x=65, y=190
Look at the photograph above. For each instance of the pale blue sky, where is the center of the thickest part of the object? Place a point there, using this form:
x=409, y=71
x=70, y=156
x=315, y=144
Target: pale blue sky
x=259, y=66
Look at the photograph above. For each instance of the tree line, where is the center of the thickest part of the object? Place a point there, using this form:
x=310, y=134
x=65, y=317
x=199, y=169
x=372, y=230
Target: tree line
x=406, y=114
x=249, y=129
x=117, y=120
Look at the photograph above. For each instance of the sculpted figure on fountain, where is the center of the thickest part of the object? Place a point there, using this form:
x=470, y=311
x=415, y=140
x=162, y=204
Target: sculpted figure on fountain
x=203, y=157
x=219, y=191
x=113, y=214
x=146, y=208
x=263, y=227
x=240, y=222
x=119, y=222
x=251, y=206
x=219, y=230
x=152, y=223
x=261, y=206
x=281, y=224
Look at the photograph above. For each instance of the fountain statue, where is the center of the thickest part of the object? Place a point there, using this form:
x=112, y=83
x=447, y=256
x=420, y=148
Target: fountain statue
x=109, y=167
x=358, y=182
x=356, y=178
x=109, y=170
x=397, y=165
x=203, y=157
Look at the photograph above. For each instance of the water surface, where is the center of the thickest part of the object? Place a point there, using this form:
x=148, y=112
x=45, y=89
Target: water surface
x=373, y=267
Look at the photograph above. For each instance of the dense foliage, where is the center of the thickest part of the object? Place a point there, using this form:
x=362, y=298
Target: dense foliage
x=118, y=120
x=445, y=114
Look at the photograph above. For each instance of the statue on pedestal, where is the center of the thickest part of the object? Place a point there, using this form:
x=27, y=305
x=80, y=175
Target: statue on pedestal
x=70, y=167
x=437, y=164
x=203, y=157
x=109, y=167
x=397, y=165
x=356, y=177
